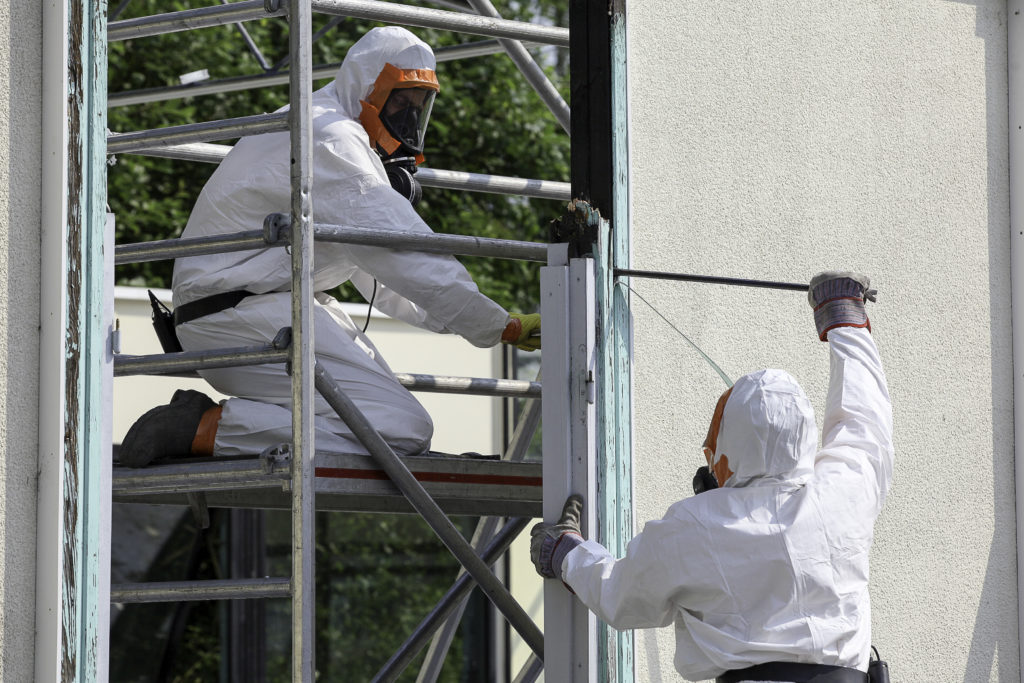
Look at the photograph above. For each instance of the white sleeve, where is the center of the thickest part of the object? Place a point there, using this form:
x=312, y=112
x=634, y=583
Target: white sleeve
x=392, y=304
x=643, y=589
x=857, y=430
x=436, y=283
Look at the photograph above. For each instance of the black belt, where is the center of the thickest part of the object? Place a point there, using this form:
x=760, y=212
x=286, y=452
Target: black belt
x=208, y=305
x=797, y=673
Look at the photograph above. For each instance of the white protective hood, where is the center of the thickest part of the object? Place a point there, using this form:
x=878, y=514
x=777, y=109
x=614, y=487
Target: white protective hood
x=365, y=60
x=768, y=431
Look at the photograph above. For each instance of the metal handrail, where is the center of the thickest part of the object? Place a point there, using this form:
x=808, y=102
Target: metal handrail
x=388, y=12
x=320, y=72
x=205, y=131
x=430, y=242
x=214, y=589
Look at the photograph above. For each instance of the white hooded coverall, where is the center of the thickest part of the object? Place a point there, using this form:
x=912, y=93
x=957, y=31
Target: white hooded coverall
x=774, y=565
x=350, y=188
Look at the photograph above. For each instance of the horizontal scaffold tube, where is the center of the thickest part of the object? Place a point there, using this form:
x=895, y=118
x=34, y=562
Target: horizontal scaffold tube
x=169, y=363
x=206, y=131
x=266, y=80
x=158, y=250
x=185, y=591
x=388, y=12
x=394, y=13
x=188, y=19
x=427, y=177
x=436, y=243
x=495, y=184
x=479, y=386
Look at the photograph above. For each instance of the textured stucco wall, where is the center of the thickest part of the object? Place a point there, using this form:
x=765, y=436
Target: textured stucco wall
x=772, y=140
x=20, y=159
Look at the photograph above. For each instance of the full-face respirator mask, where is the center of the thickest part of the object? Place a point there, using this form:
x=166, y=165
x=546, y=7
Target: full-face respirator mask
x=395, y=115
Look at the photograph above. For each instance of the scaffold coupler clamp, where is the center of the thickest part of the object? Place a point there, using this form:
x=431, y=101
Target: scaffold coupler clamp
x=275, y=228
x=276, y=458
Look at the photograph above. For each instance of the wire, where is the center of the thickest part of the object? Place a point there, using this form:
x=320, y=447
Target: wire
x=369, y=309
x=713, y=364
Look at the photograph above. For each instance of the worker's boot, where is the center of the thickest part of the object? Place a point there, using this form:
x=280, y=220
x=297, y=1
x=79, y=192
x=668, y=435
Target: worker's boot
x=184, y=427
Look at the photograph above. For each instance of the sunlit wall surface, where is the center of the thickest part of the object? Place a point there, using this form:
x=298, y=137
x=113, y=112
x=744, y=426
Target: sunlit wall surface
x=772, y=140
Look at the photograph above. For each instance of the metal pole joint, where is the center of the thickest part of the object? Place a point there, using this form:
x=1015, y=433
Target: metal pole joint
x=275, y=228
x=283, y=339
x=276, y=458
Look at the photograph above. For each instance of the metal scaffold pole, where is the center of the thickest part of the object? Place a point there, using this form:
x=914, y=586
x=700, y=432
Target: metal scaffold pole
x=303, y=446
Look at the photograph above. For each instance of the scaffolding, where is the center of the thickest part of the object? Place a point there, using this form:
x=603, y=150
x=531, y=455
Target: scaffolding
x=575, y=295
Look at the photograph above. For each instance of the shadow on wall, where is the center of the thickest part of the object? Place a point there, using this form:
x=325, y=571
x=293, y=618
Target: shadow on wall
x=992, y=642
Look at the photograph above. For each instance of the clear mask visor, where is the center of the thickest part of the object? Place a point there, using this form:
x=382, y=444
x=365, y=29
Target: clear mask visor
x=405, y=115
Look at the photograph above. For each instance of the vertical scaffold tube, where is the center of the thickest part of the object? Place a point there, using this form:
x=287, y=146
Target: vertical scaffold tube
x=303, y=448
x=421, y=501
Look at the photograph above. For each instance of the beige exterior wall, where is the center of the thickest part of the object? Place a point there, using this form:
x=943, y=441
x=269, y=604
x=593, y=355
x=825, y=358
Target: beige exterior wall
x=772, y=140
x=20, y=172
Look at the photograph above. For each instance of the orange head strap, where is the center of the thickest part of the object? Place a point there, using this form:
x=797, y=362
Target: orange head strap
x=719, y=463
x=391, y=78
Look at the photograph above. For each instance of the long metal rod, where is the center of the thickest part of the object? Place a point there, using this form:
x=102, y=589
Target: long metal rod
x=428, y=509
x=435, y=243
x=323, y=71
x=173, y=363
x=387, y=12
x=533, y=74
x=518, y=446
x=479, y=386
x=495, y=184
x=300, y=119
x=394, y=13
x=158, y=250
x=186, y=591
x=428, y=177
x=206, y=131
x=459, y=591
x=709, y=279
x=185, y=20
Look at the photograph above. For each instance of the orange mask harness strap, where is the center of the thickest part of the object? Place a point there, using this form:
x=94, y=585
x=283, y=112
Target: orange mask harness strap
x=392, y=78
x=719, y=464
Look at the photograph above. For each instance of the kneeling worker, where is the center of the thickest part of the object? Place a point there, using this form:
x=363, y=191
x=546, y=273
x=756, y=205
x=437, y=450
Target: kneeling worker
x=766, y=575
x=368, y=129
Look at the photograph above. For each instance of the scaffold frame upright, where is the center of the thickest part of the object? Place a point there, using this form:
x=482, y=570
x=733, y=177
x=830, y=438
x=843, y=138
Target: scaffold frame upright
x=571, y=296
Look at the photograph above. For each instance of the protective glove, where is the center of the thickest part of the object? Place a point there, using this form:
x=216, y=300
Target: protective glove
x=523, y=330
x=837, y=298
x=550, y=543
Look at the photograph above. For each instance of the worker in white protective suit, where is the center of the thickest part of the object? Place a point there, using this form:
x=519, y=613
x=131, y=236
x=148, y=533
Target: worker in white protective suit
x=766, y=576
x=368, y=132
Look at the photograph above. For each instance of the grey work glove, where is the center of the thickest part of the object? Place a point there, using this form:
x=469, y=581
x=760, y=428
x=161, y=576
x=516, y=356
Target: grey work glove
x=550, y=543
x=837, y=298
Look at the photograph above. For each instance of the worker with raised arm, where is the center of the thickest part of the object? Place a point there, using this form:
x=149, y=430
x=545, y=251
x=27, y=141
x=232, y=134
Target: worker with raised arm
x=368, y=128
x=765, y=572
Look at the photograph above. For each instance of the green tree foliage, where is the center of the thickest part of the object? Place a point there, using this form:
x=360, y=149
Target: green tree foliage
x=486, y=120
